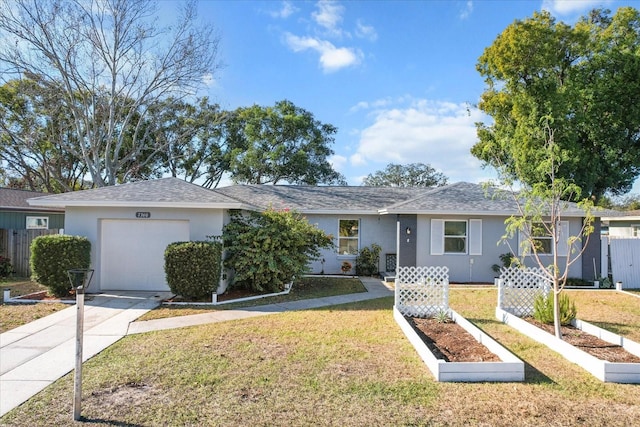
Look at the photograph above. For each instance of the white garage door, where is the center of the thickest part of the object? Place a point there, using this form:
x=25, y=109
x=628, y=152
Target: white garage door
x=132, y=253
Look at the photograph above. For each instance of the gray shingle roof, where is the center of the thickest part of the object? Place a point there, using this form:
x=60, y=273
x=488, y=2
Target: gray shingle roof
x=466, y=198
x=14, y=199
x=458, y=198
x=160, y=192
x=320, y=199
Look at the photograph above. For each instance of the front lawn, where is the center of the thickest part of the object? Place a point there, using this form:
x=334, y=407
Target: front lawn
x=347, y=365
x=14, y=315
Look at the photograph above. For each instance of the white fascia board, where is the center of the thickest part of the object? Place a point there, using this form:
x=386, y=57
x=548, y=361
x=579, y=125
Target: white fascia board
x=621, y=218
x=114, y=204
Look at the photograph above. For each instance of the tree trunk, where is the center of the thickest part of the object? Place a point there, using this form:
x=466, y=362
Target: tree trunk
x=556, y=313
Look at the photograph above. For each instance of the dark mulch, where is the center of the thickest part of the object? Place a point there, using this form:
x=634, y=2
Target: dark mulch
x=589, y=343
x=450, y=342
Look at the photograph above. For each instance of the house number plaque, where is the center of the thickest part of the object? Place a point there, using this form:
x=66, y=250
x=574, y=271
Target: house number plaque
x=143, y=214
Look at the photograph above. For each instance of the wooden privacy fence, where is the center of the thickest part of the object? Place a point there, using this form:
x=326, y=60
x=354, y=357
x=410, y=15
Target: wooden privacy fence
x=625, y=261
x=16, y=245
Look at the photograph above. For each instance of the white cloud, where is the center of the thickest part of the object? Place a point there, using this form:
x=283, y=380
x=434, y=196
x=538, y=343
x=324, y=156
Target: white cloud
x=565, y=7
x=332, y=58
x=209, y=80
x=467, y=10
x=285, y=11
x=366, y=31
x=329, y=16
x=338, y=162
x=433, y=132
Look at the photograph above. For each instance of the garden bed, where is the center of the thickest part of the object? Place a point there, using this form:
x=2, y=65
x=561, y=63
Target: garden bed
x=604, y=370
x=507, y=368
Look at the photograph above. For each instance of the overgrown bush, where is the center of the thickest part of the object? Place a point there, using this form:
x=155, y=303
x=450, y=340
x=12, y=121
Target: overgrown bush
x=53, y=256
x=368, y=260
x=543, y=309
x=267, y=250
x=6, y=269
x=193, y=268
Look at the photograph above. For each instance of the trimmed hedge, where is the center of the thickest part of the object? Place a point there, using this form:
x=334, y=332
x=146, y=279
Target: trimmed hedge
x=368, y=260
x=193, y=268
x=53, y=255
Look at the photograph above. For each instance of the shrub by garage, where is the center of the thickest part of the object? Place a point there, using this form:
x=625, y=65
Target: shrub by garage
x=193, y=268
x=53, y=256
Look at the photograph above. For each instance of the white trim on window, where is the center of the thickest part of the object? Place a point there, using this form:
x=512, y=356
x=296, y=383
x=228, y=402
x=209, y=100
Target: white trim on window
x=37, y=222
x=563, y=245
x=348, y=237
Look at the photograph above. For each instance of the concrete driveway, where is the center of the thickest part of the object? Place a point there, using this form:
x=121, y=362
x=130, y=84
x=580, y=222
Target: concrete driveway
x=34, y=355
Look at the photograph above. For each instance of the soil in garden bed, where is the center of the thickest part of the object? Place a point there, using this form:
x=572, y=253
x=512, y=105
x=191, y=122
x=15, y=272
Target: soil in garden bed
x=589, y=343
x=450, y=342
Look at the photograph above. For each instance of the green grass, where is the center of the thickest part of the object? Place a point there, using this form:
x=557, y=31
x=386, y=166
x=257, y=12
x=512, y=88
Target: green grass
x=14, y=315
x=347, y=365
x=305, y=288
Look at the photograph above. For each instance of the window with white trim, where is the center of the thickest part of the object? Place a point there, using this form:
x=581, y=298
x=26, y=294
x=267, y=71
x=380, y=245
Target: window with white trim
x=37, y=223
x=455, y=237
x=635, y=230
x=348, y=237
x=540, y=236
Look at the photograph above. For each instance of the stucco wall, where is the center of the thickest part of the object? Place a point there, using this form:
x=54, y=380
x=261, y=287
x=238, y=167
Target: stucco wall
x=379, y=229
x=465, y=268
x=84, y=221
x=622, y=228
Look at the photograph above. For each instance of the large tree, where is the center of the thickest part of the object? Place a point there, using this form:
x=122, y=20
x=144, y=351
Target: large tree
x=34, y=130
x=110, y=61
x=193, y=136
x=283, y=143
x=541, y=207
x=586, y=78
x=411, y=175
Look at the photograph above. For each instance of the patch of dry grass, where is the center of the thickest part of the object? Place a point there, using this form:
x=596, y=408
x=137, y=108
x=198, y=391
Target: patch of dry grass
x=14, y=315
x=347, y=365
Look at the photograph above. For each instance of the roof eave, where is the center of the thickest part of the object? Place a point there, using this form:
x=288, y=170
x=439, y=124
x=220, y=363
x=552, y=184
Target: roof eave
x=140, y=204
x=465, y=213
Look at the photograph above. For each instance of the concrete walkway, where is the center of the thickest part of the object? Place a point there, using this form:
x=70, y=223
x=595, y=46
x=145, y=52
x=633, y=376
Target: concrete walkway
x=34, y=355
x=375, y=289
x=37, y=354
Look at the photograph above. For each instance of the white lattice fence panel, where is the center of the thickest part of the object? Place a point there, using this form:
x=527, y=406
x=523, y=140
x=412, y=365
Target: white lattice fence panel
x=422, y=291
x=518, y=289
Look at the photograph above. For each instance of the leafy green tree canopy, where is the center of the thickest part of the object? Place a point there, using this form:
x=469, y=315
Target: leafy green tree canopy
x=411, y=175
x=586, y=78
x=268, y=145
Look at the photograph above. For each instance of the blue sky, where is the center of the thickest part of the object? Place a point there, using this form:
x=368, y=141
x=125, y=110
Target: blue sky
x=397, y=78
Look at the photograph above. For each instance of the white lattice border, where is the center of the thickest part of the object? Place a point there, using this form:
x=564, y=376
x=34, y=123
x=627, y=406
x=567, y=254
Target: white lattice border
x=422, y=291
x=519, y=287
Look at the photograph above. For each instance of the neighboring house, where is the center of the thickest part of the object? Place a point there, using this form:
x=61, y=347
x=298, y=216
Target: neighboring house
x=623, y=223
x=17, y=214
x=455, y=226
x=20, y=223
